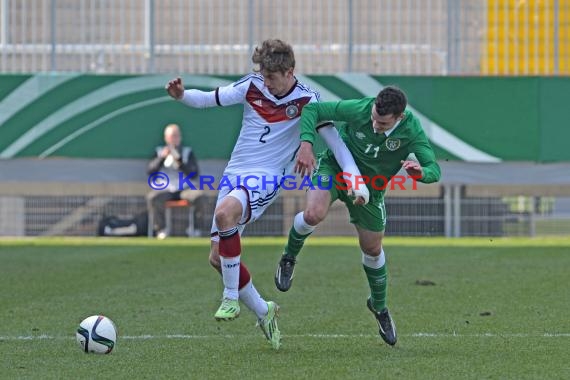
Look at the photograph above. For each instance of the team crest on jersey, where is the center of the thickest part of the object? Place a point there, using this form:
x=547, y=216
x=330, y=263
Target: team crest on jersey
x=360, y=135
x=392, y=144
x=291, y=111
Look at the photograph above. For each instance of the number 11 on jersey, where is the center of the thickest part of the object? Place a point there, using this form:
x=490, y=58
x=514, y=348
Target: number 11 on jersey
x=376, y=149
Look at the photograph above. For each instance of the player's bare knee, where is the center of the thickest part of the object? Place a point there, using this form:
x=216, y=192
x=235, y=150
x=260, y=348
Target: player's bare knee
x=313, y=216
x=222, y=218
x=371, y=248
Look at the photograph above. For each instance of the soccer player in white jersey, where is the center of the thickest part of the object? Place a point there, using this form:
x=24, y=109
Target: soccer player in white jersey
x=268, y=141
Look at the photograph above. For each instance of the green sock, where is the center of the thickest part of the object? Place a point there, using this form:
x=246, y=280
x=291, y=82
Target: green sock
x=295, y=242
x=377, y=280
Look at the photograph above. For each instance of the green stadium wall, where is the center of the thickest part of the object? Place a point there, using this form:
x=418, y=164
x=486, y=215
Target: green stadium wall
x=115, y=116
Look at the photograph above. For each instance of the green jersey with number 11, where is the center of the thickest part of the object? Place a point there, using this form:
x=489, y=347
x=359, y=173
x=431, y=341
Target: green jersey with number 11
x=374, y=153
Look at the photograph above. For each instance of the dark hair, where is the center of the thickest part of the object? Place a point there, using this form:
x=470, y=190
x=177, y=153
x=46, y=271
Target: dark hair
x=391, y=100
x=274, y=55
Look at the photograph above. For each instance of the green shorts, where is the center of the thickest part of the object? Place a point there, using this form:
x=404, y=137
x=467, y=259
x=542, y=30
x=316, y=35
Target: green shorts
x=371, y=217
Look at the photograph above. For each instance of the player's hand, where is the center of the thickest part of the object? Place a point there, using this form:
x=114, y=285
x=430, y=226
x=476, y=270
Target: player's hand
x=305, y=163
x=175, y=88
x=413, y=168
x=361, y=195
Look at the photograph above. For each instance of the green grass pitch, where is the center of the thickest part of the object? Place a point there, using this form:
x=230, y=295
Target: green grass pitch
x=497, y=309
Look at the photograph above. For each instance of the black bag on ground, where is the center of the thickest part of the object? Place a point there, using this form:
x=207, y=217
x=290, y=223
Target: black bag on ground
x=121, y=226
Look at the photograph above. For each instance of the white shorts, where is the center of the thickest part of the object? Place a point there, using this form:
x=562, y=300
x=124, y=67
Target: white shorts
x=258, y=197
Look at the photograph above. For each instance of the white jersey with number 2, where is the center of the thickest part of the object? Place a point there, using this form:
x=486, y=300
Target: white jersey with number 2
x=268, y=139
x=269, y=136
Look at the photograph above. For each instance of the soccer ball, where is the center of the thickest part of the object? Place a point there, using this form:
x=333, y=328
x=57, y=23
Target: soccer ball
x=97, y=334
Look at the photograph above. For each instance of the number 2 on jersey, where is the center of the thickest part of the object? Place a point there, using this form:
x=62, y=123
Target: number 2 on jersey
x=267, y=130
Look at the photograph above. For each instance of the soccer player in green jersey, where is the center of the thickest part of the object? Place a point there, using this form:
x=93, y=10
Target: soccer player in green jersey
x=380, y=134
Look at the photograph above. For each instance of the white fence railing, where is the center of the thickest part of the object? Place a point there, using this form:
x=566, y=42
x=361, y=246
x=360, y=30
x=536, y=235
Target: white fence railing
x=396, y=37
x=81, y=215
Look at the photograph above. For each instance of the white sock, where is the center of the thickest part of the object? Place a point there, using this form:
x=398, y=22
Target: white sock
x=252, y=299
x=301, y=226
x=230, y=276
x=374, y=262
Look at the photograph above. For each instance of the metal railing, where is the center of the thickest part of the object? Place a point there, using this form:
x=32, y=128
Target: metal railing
x=395, y=37
x=81, y=215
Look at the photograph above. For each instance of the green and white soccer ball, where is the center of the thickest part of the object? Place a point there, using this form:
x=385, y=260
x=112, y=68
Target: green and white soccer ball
x=97, y=334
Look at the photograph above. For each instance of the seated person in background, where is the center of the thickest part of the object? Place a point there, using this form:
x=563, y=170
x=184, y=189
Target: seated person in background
x=170, y=159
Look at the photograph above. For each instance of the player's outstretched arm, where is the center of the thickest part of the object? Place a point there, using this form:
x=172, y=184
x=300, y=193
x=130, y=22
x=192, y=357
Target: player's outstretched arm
x=427, y=168
x=346, y=161
x=175, y=88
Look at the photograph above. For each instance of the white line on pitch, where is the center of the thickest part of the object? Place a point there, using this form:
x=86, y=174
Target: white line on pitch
x=318, y=336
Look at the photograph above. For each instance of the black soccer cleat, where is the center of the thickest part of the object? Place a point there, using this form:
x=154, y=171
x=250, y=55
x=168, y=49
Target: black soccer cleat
x=386, y=327
x=285, y=271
